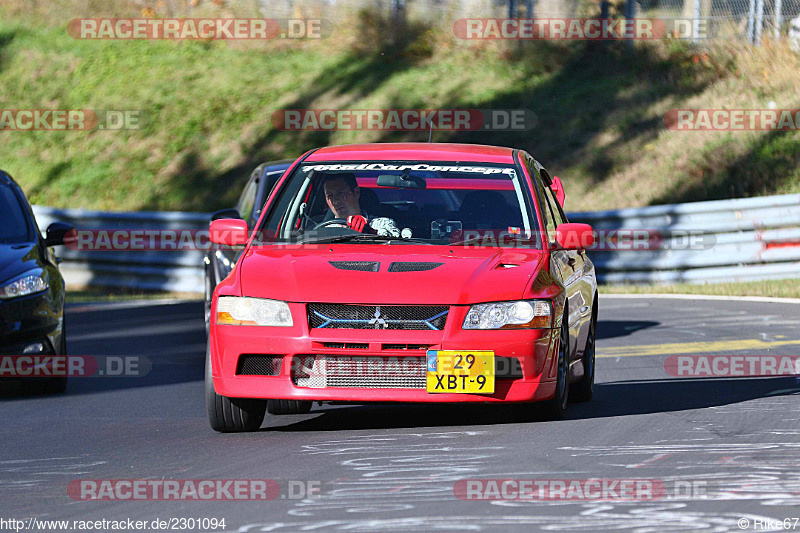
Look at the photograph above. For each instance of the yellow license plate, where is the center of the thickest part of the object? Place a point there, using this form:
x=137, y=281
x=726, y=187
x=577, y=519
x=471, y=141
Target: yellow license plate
x=465, y=371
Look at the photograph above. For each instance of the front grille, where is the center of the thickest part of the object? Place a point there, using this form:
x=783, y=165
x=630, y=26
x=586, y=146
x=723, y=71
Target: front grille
x=259, y=365
x=363, y=266
x=361, y=372
x=420, y=317
x=412, y=266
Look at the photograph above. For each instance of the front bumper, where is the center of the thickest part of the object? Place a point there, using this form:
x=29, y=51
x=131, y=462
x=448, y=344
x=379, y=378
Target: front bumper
x=535, y=350
x=28, y=320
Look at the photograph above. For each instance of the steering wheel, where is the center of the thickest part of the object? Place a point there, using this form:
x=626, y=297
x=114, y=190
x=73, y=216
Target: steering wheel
x=331, y=222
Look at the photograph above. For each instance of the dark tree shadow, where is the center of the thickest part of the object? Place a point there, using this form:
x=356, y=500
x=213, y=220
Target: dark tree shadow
x=609, y=329
x=54, y=173
x=6, y=37
x=585, y=89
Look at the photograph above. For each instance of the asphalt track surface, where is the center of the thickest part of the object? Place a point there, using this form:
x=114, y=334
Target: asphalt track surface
x=722, y=449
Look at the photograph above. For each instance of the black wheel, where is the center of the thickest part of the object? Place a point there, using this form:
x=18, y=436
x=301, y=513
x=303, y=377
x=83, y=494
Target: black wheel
x=229, y=415
x=288, y=407
x=583, y=390
x=556, y=408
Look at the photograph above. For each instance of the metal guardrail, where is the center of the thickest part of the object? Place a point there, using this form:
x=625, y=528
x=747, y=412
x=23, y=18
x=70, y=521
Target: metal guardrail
x=181, y=271
x=728, y=240
x=738, y=240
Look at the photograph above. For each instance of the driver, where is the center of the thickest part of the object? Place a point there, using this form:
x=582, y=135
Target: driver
x=342, y=195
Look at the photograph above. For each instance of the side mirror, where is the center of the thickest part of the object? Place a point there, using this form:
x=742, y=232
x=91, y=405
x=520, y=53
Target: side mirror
x=574, y=236
x=228, y=231
x=226, y=213
x=558, y=189
x=56, y=233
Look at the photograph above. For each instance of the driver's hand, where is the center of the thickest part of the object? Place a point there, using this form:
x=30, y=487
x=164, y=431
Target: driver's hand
x=356, y=223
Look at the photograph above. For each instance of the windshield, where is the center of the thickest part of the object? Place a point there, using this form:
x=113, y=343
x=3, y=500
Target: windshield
x=402, y=202
x=13, y=222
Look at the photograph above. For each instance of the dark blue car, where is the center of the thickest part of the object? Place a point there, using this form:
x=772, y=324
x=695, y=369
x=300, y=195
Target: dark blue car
x=31, y=287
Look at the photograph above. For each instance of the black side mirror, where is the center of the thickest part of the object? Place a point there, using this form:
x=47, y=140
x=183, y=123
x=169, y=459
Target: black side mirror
x=226, y=213
x=56, y=232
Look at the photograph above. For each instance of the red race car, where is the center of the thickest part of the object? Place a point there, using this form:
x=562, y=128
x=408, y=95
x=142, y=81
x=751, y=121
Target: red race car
x=403, y=272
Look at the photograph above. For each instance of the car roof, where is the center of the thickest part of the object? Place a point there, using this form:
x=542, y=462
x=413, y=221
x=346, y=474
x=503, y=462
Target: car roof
x=273, y=166
x=415, y=152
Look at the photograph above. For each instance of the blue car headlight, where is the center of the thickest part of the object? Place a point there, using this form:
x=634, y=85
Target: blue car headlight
x=30, y=282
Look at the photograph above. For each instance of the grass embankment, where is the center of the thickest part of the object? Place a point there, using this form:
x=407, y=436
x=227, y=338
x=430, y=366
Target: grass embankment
x=77, y=295
x=209, y=107
x=771, y=288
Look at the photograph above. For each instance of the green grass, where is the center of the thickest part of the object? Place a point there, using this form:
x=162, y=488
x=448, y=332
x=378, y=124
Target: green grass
x=208, y=109
x=771, y=288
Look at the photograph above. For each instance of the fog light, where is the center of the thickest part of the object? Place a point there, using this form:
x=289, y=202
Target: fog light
x=35, y=348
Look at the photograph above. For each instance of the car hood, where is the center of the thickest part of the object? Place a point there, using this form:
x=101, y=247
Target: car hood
x=16, y=259
x=453, y=275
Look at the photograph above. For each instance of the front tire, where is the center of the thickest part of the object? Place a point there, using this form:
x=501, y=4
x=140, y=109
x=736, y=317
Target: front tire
x=583, y=390
x=231, y=415
x=556, y=408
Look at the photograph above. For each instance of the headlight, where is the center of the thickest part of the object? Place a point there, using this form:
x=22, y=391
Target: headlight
x=509, y=315
x=242, y=311
x=31, y=282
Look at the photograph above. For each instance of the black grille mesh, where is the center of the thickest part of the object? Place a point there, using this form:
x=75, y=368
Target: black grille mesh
x=331, y=371
x=338, y=316
x=412, y=266
x=363, y=266
x=259, y=365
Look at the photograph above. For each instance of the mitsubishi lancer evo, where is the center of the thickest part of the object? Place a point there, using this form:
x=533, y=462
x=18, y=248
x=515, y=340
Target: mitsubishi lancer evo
x=408, y=272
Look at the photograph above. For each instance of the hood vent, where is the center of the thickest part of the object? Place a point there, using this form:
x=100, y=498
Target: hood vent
x=410, y=266
x=362, y=266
